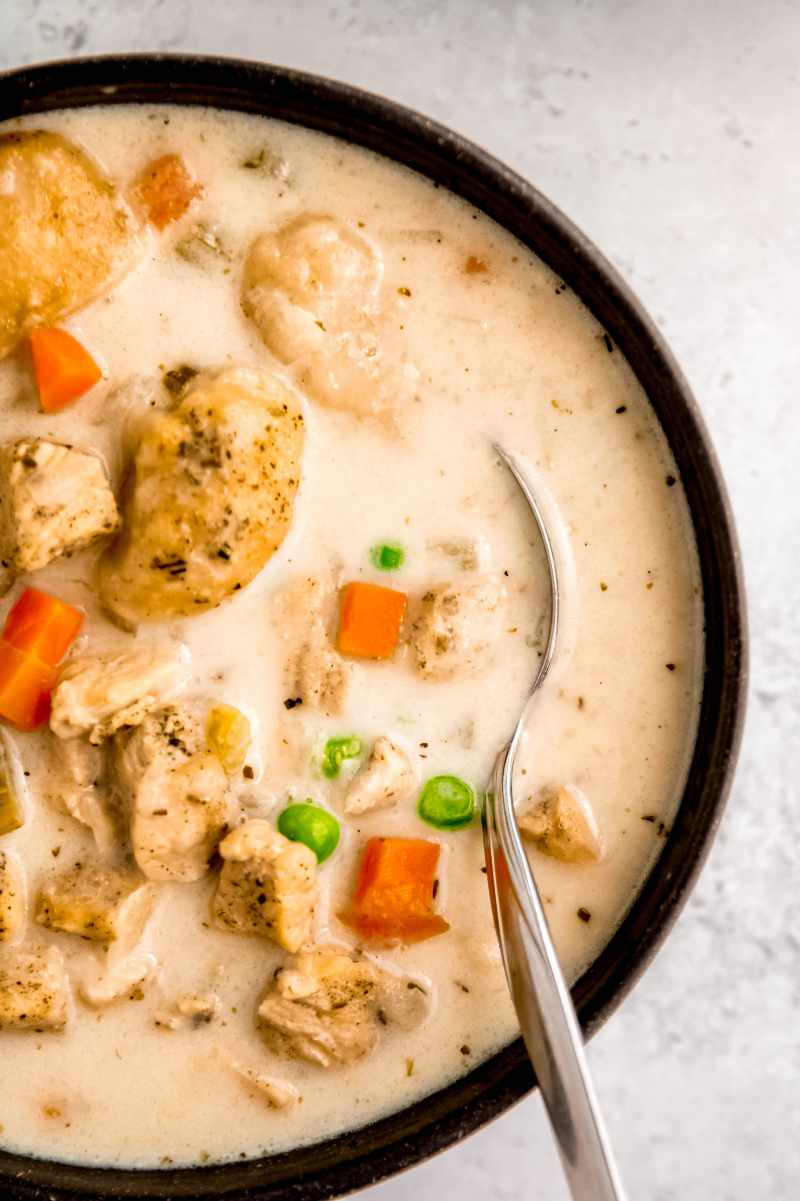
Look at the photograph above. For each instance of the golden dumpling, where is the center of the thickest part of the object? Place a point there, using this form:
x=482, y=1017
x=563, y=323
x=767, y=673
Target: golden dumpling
x=210, y=498
x=65, y=232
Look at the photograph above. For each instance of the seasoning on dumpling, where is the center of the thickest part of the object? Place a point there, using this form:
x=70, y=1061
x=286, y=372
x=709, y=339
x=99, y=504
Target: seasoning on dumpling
x=210, y=498
x=65, y=232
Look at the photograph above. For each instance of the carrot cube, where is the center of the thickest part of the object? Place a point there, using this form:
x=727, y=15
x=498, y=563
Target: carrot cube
x=63, y=369
x=25, y=688
x=166, y=189
x=369, y=620
x=394, y=892
x=42, y=626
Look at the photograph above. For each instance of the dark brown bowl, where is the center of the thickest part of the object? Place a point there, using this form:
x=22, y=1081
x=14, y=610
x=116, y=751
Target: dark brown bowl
x=365, y=1156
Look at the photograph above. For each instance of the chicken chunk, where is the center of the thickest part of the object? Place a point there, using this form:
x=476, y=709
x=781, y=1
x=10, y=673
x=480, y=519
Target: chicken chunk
x=176, y=793
x=268, y=885
x=100, y=694
x=562, y=824
x=13, y=897
x=189, y=1012
x=54, y=500
x=278, y=1094
x=65, y=232
x=318, y=674
x=77, y=786
x=312, y=288
x=315, y=672
x=456, y=626
x=124, y=972
x=210, y=499
x=385, y=779
x=98, y=903
x=329, y=1007
x=34, y=990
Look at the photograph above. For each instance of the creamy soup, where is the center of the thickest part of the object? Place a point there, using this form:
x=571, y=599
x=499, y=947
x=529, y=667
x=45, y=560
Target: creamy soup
x=305, y=577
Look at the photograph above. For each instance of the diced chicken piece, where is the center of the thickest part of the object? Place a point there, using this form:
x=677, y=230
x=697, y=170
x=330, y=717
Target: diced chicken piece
x=385, y=779
x=329, y=1007
x=100, y=694
x=211, y=497
x=456, y=626
x=311, y=288
x=315, y=672
x=267, y=886
x=77, y=787
x=13, y=897
x=176, y=793
x=189, y=1012
x=54, y=500
x=123, y=968
x=65, y=232
x=319, y=675
x=279, y=1094
x=562, y=824
x=34, y=990
x=124, y=972
x=98, y=903
x=466, y=552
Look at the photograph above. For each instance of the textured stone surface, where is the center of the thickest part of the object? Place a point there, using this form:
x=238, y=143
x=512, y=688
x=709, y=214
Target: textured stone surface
x=669, y=133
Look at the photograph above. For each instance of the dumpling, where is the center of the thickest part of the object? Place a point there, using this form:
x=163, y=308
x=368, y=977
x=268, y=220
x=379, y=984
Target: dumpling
x=314, y=276
x=65, y=231
x=312, y=289
x=210, y=498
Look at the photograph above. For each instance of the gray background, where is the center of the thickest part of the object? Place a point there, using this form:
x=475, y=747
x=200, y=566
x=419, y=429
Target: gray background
x=669, y=132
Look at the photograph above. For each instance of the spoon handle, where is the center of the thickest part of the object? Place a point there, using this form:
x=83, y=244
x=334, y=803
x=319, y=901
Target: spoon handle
x=544, y=1006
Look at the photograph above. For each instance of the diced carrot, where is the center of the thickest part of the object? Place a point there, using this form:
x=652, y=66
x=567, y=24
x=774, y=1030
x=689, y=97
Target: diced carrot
x=25, y=688
x=166, y=188
x=42, y=626
x=369, y=620
x=63, y=369
x=394, y=893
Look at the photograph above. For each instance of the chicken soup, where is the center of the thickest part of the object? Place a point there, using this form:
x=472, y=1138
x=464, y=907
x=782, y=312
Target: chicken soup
x=271, y=606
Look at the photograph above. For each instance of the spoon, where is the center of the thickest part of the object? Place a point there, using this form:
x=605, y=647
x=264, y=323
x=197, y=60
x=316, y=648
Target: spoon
x=541, y=998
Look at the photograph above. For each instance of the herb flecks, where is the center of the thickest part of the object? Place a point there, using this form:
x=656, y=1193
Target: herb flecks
x=177, y=379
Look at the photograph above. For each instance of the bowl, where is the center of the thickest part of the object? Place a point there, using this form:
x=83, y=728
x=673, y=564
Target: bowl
x=366, y=1156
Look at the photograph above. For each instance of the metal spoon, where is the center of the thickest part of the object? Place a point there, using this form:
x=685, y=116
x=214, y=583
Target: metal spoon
x=541, y=997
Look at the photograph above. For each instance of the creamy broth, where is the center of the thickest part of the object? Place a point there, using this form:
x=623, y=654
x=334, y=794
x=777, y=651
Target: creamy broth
x=503, y=354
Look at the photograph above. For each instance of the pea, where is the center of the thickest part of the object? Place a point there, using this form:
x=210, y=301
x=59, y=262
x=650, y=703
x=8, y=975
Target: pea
x=387, y=556
x=446, y=803
x=312, y=825
x=335, y=753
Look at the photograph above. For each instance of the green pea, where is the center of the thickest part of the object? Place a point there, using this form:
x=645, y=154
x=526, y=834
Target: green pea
x=387, y=556
x=312, y=825
x=335, y=753
x=446, y=803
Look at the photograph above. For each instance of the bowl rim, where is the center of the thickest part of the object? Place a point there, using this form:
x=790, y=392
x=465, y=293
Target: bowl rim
x=365, y=1156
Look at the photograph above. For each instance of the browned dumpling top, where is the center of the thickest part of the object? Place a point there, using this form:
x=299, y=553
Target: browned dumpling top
x=65, y=231
x=210, y=499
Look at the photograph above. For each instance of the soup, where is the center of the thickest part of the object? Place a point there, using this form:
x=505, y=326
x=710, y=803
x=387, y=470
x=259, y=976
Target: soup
x=272, y=606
